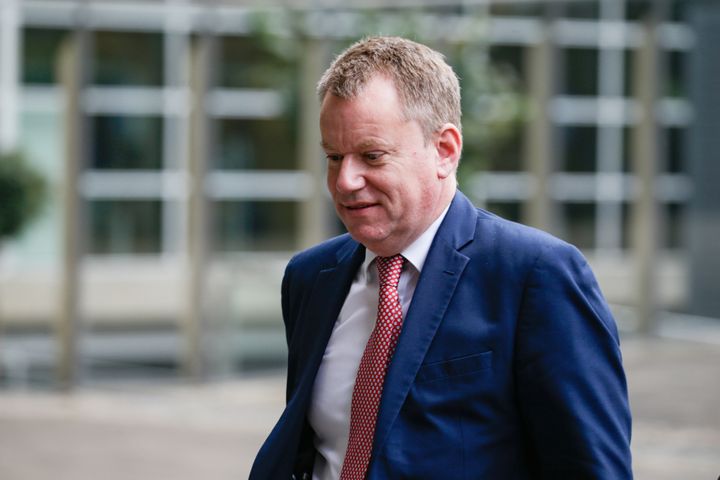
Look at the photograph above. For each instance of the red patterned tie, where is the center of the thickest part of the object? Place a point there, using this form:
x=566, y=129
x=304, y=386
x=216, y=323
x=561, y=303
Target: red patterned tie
x=371, y=373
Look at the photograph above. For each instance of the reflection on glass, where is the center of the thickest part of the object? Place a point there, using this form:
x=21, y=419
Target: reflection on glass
x=508, y=209
x=522, y=9
x=626, y=237
x=506, y=155
x=510, y=59
x=124, y=227
x=581, y=71
x=638, y=10
x=629, y=59
x=579, y=224
x=676, y=161
x=126, y=142
x=254, y=62
x=628, y=134
x=255, y=144
x=675, y=226
x=255, y=225
x=672, y=229
x=579, y=149
x=676, y=84
x=128, y=58
x=40, y=49
x=582, y=10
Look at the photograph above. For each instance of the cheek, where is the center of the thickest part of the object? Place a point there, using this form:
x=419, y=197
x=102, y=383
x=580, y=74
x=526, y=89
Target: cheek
x=330, y=181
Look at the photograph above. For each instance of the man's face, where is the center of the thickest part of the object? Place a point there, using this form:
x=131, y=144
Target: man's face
x=383, y=176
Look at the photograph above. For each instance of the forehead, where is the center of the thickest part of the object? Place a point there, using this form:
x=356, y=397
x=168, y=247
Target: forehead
x=371, y=117
x=378, y=94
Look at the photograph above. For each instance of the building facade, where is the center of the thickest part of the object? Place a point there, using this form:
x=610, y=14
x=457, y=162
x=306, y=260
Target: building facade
x=180, y=139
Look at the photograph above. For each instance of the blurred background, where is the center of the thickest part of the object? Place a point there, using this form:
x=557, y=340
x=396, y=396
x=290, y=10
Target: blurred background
x=160, y=163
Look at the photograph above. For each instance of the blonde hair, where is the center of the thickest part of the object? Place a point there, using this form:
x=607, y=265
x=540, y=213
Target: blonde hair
x=428, y=87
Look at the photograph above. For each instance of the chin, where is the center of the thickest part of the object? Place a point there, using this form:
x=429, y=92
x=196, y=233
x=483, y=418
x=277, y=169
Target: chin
x=369, y=239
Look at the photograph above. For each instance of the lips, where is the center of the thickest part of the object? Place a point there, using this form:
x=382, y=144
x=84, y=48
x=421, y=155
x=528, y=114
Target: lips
x=358, y=209
x=359, y=206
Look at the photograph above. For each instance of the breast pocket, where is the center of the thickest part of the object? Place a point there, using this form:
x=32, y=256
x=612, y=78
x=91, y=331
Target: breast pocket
x=455, y=367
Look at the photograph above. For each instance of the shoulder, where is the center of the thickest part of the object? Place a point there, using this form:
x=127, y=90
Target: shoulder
x=519, y=243
x=553, y=274
x=479, y=233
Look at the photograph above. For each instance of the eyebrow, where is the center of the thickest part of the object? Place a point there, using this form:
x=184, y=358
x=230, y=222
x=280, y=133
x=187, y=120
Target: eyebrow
x=363, y=146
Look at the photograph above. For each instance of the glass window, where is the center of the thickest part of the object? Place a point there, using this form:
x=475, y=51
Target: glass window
x=509, y=59
x=679, y=10
x=627, y=148
x=495, y=148
x=582, y=10
x=128, y=58
x=581, y=71
x=125, y=227
x=437, y=9
x=508, y=210
x=628, y=73
x=674, y=226
x=40, y=50
x=255, y=225
x=522, y=9
x=492, y=107
x=255, y=144
x=579, y=149
x=505, y=152
x=254, y=62
x=126, y=142
x=676, y=162
x=579, y=221
x=638, y=10
x=676, y=85
x=673, y=150
x=627, y=234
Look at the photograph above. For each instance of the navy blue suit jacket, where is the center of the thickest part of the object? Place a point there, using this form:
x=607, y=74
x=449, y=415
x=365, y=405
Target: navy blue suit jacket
x=508, y=365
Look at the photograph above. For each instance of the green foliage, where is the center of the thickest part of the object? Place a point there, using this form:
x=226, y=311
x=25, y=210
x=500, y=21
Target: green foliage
x=493, y=104
x=493, y=111
x=22, y=191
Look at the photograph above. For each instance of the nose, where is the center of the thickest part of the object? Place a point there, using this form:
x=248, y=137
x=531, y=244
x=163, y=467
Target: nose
x=349, y=175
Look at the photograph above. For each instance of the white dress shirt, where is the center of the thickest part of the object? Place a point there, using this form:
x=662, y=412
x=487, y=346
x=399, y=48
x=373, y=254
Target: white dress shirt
x=329, y=413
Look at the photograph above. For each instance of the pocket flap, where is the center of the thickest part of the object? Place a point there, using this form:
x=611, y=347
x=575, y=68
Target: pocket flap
x=455, y=366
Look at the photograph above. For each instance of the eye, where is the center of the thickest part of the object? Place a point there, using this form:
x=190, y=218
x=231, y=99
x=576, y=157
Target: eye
x=333, y=157
x=373, y=156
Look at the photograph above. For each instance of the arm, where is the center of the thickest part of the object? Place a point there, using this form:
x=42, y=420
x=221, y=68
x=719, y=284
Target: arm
x=570, y=382
x=289, y=299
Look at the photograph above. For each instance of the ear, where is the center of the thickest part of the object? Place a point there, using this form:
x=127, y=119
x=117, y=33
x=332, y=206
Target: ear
x=448, y=144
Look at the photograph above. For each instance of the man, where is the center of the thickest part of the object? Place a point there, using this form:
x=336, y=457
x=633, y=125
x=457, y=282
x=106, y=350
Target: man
x=436, y=340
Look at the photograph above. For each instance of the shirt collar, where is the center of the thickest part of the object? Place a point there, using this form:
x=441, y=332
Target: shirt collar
x=415, y=253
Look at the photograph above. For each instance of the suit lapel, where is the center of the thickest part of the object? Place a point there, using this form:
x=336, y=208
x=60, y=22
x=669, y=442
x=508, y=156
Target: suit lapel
x=291, y=435
x=439, y=278
x=324, y=304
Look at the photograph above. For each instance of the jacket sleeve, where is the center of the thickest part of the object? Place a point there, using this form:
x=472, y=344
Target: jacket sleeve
x=571, y=387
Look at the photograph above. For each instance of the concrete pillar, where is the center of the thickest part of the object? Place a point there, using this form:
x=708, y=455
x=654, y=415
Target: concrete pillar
x=539, y=134
x=194, y=323
x=645, y=160
x=72, y=75
x=315, y=213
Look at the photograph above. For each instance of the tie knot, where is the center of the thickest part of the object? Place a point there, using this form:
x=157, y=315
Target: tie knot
x=389, y=269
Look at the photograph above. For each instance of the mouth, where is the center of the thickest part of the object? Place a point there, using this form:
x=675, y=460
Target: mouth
x=358, y=207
